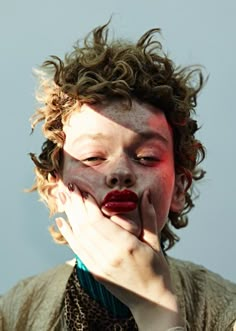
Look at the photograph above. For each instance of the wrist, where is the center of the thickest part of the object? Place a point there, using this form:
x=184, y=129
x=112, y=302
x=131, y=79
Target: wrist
x=164, y=316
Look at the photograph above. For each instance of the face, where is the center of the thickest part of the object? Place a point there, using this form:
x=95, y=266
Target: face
x=116, y=154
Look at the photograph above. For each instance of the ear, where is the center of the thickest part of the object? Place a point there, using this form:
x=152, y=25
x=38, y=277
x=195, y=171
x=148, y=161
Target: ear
x=178, y=197
x=55, y=182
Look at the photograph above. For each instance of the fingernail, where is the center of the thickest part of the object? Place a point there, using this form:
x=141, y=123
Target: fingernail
x=71, y=187
x=85, y=195
x=62, y=197
x=59, y=222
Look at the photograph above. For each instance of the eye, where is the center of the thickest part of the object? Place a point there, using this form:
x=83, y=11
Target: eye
x=93, y=160
x=147, y=159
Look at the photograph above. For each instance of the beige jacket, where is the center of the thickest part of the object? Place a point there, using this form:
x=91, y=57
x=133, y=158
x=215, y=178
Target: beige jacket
x=207, y=301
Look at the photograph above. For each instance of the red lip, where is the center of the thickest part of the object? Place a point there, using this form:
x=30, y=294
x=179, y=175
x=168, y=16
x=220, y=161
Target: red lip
x=120, y=201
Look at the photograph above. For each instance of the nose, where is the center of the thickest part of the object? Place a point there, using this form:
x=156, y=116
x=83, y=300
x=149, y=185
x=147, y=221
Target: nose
x=121, y=174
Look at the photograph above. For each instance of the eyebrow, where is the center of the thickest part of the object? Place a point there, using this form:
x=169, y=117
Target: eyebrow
x=143, y=134
x=153, y=135
x=95, y=136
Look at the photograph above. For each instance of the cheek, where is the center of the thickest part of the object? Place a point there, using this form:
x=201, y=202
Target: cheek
x=162, y=183
x=161, y=191
x=86, y=178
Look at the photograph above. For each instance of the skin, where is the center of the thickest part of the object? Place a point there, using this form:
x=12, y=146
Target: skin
x=122, y=250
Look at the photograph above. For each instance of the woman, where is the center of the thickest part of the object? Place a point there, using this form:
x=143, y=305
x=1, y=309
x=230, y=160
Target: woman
x=120, y=159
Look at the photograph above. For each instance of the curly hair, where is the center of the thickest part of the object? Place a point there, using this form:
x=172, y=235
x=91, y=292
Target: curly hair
x=102, y=69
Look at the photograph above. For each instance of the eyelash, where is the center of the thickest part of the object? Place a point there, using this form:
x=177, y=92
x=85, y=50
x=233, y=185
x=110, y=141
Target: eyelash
x=149, y=159
x=146, y=160
x=93, y=159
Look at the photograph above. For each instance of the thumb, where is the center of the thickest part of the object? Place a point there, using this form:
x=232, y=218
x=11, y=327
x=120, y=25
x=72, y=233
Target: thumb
x=149, y=222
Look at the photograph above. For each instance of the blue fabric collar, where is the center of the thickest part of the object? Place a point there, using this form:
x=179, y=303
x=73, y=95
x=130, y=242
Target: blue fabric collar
x=99, y=293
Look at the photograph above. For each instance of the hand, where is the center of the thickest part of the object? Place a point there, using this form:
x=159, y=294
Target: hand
x=133, y=269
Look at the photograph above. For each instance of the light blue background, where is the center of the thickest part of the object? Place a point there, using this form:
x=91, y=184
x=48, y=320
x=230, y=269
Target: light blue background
x=193, y=32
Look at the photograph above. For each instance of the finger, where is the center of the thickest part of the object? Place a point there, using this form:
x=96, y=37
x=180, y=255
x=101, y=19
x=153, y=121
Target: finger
x=74, y=206
x=66, y=231
x=101, y=223
x=126, y=224
x=149, y=221
x=93, y=210
x=79, y=247
x=90, y=227
x=77, y=206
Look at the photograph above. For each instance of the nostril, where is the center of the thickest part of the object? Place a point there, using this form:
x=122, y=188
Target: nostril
x=121, y=179
x=127, y=181
x=114, y=181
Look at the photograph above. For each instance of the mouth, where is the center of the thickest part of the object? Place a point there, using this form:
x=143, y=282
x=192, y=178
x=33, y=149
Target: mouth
x=120, y=201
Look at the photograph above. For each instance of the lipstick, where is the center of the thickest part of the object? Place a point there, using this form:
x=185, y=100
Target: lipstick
x=120, y=201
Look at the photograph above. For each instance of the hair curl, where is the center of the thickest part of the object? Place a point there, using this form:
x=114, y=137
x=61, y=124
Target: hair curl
x=101, y=69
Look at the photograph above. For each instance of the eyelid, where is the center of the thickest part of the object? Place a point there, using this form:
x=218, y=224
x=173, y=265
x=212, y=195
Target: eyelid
x=148, y=153
x=93, y=157
x=147, y=159
x=151, y=157
x=83, y=155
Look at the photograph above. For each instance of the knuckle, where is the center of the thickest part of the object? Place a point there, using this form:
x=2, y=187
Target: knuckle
x=131, y=246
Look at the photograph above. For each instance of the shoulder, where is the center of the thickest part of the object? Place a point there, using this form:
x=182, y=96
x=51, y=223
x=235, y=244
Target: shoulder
x=51, y=280
x=195, y=273
x=205, y=294
x=39, y=295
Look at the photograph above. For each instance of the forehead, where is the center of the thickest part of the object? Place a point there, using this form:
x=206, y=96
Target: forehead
x=115, y=116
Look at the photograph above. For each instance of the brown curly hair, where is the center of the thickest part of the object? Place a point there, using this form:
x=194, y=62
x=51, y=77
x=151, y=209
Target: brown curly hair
x=103, y=69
